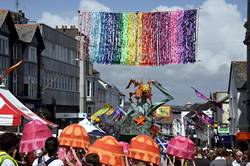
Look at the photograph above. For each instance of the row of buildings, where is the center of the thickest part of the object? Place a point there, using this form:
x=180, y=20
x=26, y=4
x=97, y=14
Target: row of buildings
x=229, y=121
x=49, y=78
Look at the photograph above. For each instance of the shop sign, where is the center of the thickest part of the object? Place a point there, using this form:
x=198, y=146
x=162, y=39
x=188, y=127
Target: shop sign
x=71, y=115
x=243, y=136
x=223, y=130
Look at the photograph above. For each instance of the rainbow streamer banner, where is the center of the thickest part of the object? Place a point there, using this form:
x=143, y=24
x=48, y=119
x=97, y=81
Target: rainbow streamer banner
x=154, y=39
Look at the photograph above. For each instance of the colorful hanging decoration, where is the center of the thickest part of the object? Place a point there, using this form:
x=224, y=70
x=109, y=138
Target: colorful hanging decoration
x=152, y=39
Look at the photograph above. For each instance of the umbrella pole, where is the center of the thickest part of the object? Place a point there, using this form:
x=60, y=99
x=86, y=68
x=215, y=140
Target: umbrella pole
x=126, y=160
x=170, y=161
x=18, y=130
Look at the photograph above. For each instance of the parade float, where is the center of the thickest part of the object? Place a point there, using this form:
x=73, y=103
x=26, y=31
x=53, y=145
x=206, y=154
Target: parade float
x=140, y=117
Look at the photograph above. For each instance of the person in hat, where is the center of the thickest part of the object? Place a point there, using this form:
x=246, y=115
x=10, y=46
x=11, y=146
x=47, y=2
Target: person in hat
x=8, y=143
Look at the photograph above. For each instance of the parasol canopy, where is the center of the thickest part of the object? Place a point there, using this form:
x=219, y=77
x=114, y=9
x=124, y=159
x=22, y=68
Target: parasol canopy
x=143, y=147
x=182, y=147
x=34, y=136
x=109, y=151
x=75, y=136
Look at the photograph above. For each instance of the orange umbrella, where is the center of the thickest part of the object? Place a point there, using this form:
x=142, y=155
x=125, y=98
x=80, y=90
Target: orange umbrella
x=144, y=148
x=109, y=151
x=75, y=136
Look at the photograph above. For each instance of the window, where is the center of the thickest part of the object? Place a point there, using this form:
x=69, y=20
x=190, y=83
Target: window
x=4, y=45
x=15, y=51
x=93, y=88
x=25, y=93
x=15, y=82
x=88, y=88
x=32, y=54
x=77, y=84
x=89, y=111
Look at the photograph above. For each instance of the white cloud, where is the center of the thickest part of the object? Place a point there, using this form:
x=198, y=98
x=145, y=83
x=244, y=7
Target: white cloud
x=93, y=6
x=85, y=5
x=221, y=33
x=53, y=20
x=166, y=8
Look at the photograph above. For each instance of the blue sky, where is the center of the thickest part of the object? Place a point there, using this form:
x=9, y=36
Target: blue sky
x=68, y=8
x=220, y=37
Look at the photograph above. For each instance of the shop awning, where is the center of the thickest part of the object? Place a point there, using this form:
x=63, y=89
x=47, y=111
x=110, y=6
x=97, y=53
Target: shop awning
x=11, y=110
x=8, y=116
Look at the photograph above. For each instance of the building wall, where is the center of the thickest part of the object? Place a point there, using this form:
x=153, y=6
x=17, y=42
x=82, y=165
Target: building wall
x=219, y=116
x=234, y=96
x=5, y=50
x=242, y=112
x=60, y=70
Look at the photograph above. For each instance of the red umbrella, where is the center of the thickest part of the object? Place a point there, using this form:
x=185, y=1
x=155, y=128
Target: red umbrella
x=34, y=136
x=181, y=147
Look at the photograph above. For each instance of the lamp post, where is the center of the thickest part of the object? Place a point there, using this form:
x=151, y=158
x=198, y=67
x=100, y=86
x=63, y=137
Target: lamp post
x=247, y=43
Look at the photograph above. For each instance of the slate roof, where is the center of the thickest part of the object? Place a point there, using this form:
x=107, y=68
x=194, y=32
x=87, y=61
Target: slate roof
x=239, y=71
x=26, y=32
x=3, y=14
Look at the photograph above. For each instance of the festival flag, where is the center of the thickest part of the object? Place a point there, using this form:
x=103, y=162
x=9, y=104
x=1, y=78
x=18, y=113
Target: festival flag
x=11, y=69
x=162, y=143
x=100, y=112
x=205, y=118
x=200, y=95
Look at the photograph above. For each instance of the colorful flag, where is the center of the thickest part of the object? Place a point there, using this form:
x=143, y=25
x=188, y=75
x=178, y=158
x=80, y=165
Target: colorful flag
x=100, y=112
x=11, y=69
x=162, y=143
x=200, y=95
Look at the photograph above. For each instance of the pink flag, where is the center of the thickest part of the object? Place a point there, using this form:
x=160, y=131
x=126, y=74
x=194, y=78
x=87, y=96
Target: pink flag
x=200, y=95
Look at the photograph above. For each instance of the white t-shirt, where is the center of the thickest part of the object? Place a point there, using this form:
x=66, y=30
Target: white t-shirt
x=8, y=162
x=56, y=162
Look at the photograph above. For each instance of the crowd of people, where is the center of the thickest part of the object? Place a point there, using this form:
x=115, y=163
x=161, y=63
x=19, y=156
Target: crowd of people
x=51, y=156
x=221, y=157
x=9, y=155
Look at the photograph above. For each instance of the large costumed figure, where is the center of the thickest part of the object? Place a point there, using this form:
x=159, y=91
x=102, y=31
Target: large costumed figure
x=139, y=118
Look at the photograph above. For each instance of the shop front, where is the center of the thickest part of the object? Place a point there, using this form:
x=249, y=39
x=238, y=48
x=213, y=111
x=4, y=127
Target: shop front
x=65, y=119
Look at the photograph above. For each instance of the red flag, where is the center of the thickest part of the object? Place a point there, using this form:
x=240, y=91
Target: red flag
x=11, y=69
